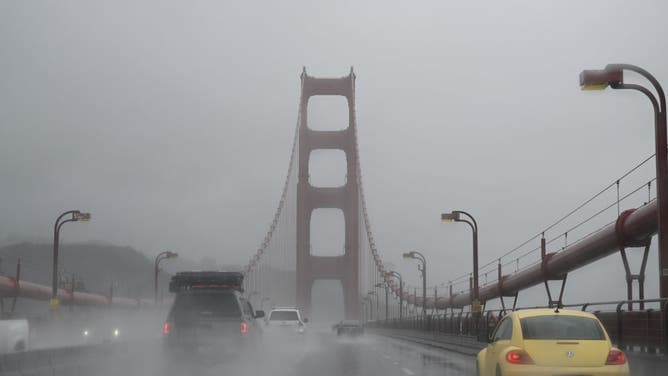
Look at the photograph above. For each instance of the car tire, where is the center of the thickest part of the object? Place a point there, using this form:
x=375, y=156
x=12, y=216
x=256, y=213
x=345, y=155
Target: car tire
x=477, y=368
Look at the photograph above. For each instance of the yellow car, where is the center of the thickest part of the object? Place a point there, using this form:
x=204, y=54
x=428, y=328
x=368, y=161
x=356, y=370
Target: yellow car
x=550, y=342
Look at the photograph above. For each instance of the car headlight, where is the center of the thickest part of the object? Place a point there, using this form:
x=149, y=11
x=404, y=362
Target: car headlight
x=85, y=333
x=116, y=333
x=301, y=330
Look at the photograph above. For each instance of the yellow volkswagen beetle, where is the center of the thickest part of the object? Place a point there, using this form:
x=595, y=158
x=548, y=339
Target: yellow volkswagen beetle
x=550, y=342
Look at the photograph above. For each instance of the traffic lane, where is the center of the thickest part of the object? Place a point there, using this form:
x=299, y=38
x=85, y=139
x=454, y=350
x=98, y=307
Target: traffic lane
x=315, y=353
x=376, y=355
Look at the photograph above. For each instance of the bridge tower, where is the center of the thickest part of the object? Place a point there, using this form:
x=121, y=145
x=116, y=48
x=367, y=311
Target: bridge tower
x=344, y=268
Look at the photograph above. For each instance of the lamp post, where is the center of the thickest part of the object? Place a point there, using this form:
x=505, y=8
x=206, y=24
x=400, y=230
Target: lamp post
x=266, y=298
x=368, y=297
x=393, y=273
x=386, y=297
x=419, y=256
x=156, y=267
x=76, y=216
x=456, y=216
x=613, y=76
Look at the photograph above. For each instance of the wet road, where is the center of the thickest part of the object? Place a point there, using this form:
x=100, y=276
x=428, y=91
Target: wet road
x=375, y=355
x=318, y=353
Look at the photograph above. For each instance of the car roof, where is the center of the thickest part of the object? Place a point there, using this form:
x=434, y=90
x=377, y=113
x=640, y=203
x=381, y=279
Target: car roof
x=551, y=312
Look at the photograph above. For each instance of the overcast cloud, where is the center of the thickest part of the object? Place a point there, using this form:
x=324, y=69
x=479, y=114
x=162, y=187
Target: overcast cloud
x=172, y=121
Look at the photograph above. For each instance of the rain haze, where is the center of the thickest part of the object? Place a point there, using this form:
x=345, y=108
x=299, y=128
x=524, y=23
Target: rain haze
x=172, y=123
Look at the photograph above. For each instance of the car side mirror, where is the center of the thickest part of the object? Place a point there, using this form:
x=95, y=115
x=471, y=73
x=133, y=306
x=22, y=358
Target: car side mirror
x=305, y=320
x=259, y=314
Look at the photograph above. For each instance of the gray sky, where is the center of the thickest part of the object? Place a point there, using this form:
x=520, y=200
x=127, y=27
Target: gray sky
x=172, y=121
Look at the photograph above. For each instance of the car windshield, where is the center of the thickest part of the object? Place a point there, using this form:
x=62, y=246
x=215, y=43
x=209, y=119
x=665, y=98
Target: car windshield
x=561, y=327
x=284, y=316
x=207, y=304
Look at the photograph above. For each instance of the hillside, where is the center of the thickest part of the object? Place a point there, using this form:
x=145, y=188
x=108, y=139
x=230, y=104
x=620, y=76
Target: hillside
x=96, y=265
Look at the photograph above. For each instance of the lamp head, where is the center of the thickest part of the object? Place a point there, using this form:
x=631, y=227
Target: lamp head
x=81, y=217
x=449, y=217
x=600, y=79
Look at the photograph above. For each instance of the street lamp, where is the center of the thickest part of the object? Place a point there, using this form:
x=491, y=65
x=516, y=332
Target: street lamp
x=613, y=76
x=76, y=216
x=386, y=297
x=366, y=302
x=393, y=273
x=161, y=256
x=419, y=256
x=377, y=304
x=266, y=298
x=456, y=216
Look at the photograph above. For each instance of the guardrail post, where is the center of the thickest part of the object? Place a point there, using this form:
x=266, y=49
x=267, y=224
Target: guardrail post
x=620, y=326
x=665, y=327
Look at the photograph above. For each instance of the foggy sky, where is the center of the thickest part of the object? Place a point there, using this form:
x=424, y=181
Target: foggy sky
x=172, y=121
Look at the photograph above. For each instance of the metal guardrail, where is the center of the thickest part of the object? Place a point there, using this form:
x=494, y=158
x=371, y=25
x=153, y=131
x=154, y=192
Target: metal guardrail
x=640, y=363
x=642, y=331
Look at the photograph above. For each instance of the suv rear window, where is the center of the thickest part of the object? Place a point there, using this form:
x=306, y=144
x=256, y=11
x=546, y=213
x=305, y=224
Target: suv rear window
x=561, y=327
x=284, y=316
x=207, y=304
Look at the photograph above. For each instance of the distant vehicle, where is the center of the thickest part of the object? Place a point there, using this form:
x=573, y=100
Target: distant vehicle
x=353, y=328
x=550, y=342
x=286, y=320
x=101, y=333
x=210, y=316
x=14, y=335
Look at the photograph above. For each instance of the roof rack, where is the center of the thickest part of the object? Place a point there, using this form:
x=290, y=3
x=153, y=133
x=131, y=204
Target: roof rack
x=206, y=280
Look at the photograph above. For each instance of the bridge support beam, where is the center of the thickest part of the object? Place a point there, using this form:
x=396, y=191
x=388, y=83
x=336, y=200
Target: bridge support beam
x=640, y=224
x=346, y=198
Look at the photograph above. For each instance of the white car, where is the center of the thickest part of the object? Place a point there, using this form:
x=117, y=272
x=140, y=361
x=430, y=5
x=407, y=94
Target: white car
x=286, y=320
x=14, y=335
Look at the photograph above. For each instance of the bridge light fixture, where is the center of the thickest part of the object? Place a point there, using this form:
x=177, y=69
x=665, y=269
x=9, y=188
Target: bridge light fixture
x=450, y=217
x=456, y=216
x=393, y=273
x=600, y=79
x=156, y=267
x=75, y=216
x=612, y=75
x=422, y=268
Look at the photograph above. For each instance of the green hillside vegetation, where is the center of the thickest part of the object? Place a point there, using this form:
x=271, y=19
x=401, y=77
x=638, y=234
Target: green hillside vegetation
x=96, y=266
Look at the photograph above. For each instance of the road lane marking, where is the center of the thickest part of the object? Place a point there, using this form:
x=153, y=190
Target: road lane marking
x=408, y=372
x=387, y=356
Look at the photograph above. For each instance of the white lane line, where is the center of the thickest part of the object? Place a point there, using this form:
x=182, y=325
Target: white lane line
x=408, y=372
x=387, y=356
x=396, y=363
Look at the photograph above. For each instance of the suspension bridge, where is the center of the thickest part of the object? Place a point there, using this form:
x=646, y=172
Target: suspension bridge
x=284, y=267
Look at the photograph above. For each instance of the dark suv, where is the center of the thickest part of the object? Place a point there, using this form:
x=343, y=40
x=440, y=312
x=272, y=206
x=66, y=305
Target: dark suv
x=210, y=316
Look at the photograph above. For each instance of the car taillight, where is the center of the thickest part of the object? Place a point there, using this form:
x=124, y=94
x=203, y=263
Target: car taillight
x=615, y=357
x=518, y=357
x=244, y=327
x=166, y=328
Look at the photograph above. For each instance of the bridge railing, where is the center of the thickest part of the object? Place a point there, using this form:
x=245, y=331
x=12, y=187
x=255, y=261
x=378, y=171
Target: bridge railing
x=643, y=331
